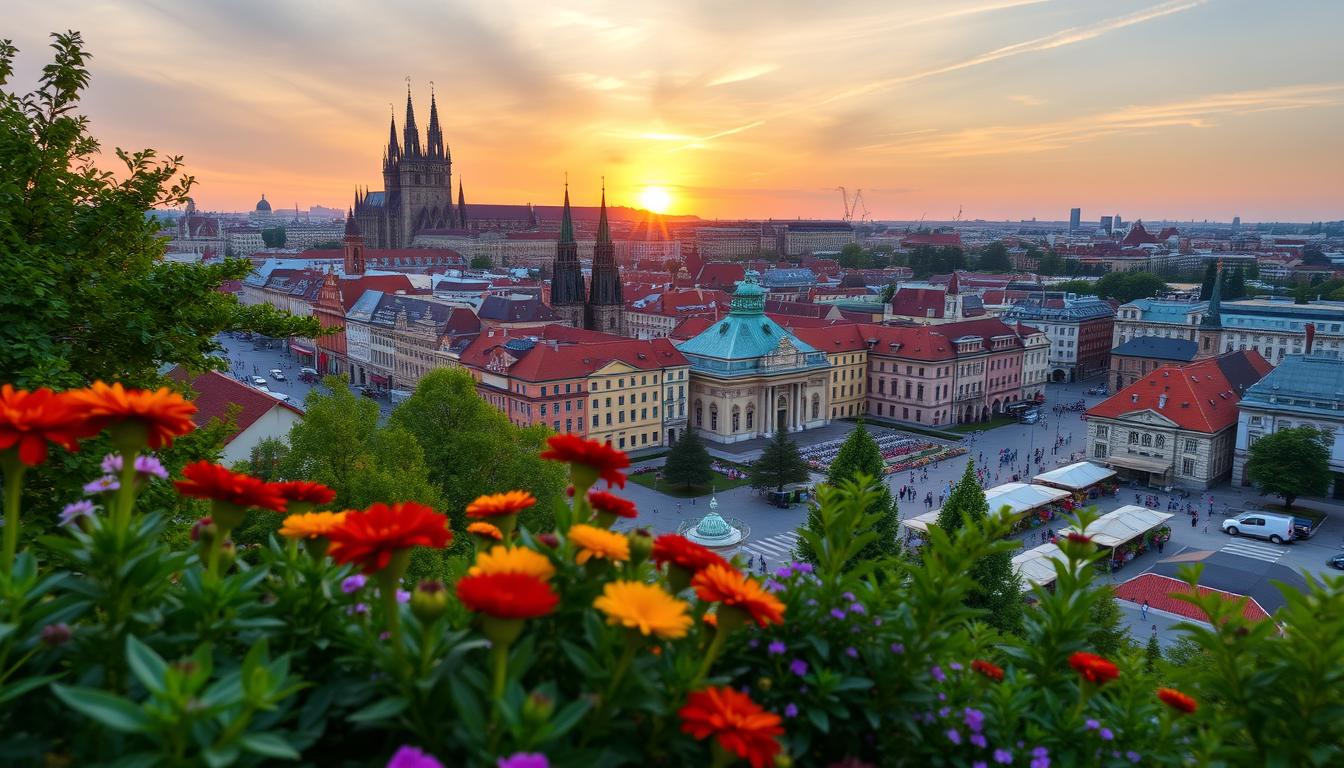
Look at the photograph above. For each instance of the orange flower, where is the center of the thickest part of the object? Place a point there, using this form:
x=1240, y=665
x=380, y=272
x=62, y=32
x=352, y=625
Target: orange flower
x=601, y=458
x=726, y=585
x=739, y=724
x=1093, y=668
x=498, y=504
x=211, y=481
x=611, y=504
x=311, y=525
x=598, y=542
x=30, y=420
x=304, y=491
x=682, y=552
x=164, y=413
x=370, y=538
x=507, y=595
x=1177, y=700
x=485, y=530
x=992, y=671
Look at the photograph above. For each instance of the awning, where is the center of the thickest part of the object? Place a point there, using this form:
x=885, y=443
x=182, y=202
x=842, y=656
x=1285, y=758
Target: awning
x=1037, y=566
x=1140, y=463
x=1124, y=524
x=922, y=522
x=1075, y=477
x=376, y=379
x=300, y=349
x=1018, y=497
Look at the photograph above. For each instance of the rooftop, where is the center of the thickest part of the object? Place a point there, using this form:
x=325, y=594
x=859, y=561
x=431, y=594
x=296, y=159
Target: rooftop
x=1200, y=397
x=1158, y=348
x=1309, y=384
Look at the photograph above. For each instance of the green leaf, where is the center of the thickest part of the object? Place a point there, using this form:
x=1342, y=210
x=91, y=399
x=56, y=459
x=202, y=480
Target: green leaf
x=854, y=684
x=380, y=710
x=6, y=630
x=269, y=745
x=112, y=711
x=147, y=666
x=221, y=757
x=819, y=719
x=568, y=717
x=14, y=691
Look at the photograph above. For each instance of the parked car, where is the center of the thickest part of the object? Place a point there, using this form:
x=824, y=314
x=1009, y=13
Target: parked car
x=308, y=371
x=1276, y=528
x=1336, y=562
x=259, y=382
x=277, y=374
x=281, y=396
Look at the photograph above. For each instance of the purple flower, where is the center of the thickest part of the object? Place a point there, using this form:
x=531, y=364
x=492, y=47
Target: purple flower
x=356, y=609
x=849, y=596
x=412, y=757
x=353, y=584
x=1133, y=756
x=524, y=760
x=783, y=573
x=798, y=667
x=852, y=652
x=811, y=601
x=403, y=596
x=102, y=485
x=752, y=643
x=836, y=613
x=979, y=740
x=776, y=648
x=979, y=763
x=944, y=712
x=938, y=674
x=791, y=710
x=774, y=586
x=150, y=466
x=954, y=666
x=802, y=567
x=974, y=719
x=1040, y=758
x=1003, y=757
x=953, y=735
x=1105, y=734
x=877, y=622
x=857, y=608
x=897, y=648
x=73, y=512
x=942, y=696
x=1091, y=725
x=111, y=464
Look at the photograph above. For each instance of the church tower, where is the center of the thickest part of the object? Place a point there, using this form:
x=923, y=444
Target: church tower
x=424, y=197
x=606, y=309
x=1211, y=325
x=354, y=246
x=566, y=275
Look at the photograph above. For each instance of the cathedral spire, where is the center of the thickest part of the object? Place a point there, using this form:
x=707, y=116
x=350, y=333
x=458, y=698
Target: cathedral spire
x=393, y=150
x=1214, y=318
x=603, y=229
x=434, y=145
x=461, y=206
x=566, y=219
x=410, y=134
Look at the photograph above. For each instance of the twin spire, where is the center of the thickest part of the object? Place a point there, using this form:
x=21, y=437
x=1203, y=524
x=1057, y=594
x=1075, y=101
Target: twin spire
x=409, y=145
x=567, y=218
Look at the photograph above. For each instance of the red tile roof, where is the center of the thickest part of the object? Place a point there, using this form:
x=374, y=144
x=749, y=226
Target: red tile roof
x=551, y=359
x=918, y=302
x=721, y=275
x=930, y=238
x=690, y=328
x=1201, y=396
x=1160, y=593
x=354, y=287
x=216, y=394
x=840, y=338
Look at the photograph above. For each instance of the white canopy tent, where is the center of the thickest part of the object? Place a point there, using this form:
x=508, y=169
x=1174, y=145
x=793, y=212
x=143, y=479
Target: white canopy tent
x=1124, y=524
x=1037, y=566
x=1075, y=477
x=1019, y=498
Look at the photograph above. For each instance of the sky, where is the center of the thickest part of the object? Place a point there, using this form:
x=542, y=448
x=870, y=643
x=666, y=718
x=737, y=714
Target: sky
x=1000, y=109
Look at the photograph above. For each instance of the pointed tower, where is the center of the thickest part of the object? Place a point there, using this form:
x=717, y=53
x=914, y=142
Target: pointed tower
x=461, y=207
x=606, y=309
x=1211, y=325
x=354, y=246
x=410, y=134
x=566, y=274
x=434, y=136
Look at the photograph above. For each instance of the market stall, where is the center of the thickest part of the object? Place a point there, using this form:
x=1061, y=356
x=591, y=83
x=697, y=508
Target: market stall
x=1127, y=533
x=1084, y=480
x=1032, y=505
x=1036, y=567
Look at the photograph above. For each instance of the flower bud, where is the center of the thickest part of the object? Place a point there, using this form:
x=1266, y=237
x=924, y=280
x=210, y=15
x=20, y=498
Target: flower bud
x=54, y=635
x=765, y=683
x=429, y=600
x=227, y=552
x=641, y=545
x=549, y=539
x=537, y=709
x=783, y=761
x=204, y=530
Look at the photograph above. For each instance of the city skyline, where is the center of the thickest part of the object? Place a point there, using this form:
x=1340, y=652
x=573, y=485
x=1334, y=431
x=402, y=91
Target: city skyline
x=1002, y=109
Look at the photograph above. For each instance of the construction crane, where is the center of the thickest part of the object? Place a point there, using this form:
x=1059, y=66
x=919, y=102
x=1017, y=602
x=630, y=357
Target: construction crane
x=958, y=218
x=853, y=206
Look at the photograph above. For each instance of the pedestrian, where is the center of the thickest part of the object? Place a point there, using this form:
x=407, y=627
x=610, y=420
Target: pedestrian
x=1161, y=545
x=1144, y=610
x=1194, y=520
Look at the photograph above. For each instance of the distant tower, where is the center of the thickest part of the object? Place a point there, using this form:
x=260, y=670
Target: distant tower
x=606, y=308
x=1075, y=219
x=354, y=246
x=1211, y=326
x=566, y=275
x=461, y=206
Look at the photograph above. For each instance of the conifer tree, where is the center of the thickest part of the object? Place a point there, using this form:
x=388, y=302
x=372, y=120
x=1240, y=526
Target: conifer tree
x=997, y=591
x=688, y=462
x=860, y=454
x=779, y=464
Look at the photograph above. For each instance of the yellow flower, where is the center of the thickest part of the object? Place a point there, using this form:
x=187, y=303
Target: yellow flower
x=645, y=607
x=598, y=542
x=311, y=525
x=502, y=559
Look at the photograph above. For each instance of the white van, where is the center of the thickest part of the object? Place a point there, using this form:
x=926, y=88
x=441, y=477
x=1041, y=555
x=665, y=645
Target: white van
x=1276, y=528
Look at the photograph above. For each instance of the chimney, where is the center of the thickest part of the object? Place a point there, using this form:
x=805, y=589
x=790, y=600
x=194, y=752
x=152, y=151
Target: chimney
x=1311, y=336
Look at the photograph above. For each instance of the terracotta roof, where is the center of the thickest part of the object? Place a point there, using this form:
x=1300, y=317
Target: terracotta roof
x=542, y=359
x=721, y=275
x=918, y=302
x=840, y=338
x=690, y=328
x=930, y=238
x=1160, y=593
x=354, y=287
x=920, y=342
x=217, y=393
x=1201, y=397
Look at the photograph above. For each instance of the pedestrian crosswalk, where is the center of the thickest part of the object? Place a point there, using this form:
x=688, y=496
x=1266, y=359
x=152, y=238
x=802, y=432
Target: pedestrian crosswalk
x=1269, y=553
x=777, y=549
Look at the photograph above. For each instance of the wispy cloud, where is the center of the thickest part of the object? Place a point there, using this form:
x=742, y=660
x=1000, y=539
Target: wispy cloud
x=739, y=75
x=1027, y=100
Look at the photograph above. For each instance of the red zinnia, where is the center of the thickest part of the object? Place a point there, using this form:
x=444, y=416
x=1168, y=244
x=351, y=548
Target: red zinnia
x=304, y=491
x=507, y=595
x=992, y=671
x=740, y=724
x=725, y=584
x=606, y=461
x=681, y=551
x=612, y=504
x=164, y=413
x=1078, y=538
x=211, y=481
x=1093, y=668
x=30, y=420
x=498, y=504
x=370, y=538
x=1177, y=700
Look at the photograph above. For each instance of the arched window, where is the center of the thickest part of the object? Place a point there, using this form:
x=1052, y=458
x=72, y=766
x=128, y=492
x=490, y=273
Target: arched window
x=713, y=417
x=737, y=419
x=1147, y=441
x=751, y=417
x=1161, y=441
x=699, y=414
x=1133, y=438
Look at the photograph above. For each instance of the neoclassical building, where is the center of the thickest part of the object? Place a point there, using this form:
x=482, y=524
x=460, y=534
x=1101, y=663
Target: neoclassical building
x=750, y=376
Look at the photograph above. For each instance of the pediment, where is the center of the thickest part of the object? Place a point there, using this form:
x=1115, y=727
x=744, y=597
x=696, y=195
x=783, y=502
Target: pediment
x=1148, y=416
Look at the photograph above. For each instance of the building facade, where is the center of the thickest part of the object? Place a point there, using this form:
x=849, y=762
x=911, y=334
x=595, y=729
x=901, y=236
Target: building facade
x=1303, y=391
x=1080, y=329
x=1140, y=356
x=846, y=349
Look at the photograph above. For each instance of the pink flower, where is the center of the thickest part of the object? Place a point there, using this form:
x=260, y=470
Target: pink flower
x=413, y=757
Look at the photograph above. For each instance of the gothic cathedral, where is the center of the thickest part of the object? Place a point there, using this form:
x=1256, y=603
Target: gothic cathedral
x=601, y=307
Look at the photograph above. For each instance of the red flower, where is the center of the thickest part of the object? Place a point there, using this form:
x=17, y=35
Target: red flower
x=211, y=481
x=992, y=671
x=680, y=551
x=164, y=413
x=612, y=504
x=304, y=491
x=1078, y=538
x=499, y=504
x=1093, y=668
x=371, y=537
x=606, y=461
x=30, y=420
x=726, y=585
x=1177, y=700
x=740, y=724
x=507, y=595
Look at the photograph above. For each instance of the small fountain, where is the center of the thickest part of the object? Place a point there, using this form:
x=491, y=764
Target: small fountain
x=723, y=536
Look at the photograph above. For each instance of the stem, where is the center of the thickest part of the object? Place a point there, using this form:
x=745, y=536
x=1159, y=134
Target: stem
x=499, y=658
x=627, y=656
x=13, y=474
x=125, y=493
x=715, y=645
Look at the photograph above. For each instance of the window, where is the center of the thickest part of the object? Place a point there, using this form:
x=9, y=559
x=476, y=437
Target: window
x=608, y=419
x=543, y=409
x=1161, y=441
x=1147, y=441
x=1099, y=451
x=700, y=415
x=737, y=418
x=1188, y=466
x=595, y=422
x=1133, y=438
x=1189, y=446
x=751, y=416
x=714, y=418
x=556, y=424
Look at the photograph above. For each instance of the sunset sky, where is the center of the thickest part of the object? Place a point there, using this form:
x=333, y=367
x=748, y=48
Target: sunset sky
x=1007, y=108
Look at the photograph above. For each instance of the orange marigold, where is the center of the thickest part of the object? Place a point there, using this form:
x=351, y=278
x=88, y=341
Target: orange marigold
x=739, y=724
x=164, y=413
x=211, y=481
x=1177, y=700
x=370, y=538
x=598, y=542
x=498, y=504
x=1093, y=668
x=311, y=525
x=682, y=552
x=304, y=491
x=30, y=420
x=507, y=595
x=727, y=585
x=606, y=461
x=485, y=530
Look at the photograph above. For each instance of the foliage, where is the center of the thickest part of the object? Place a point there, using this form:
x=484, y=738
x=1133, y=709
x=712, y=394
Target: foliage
x=266, y=459
x=853, y=256
x=480, y=261
x=994, y=258
x=1109, y=636
x=1210, y=277
x=688, y=462
x=1291, y=462
x=1127, y=286
x=779, y=465
x=328, y=245
x=1050, y=263
x=1080, y=287
x=273, y=237
x=1236, y=285
x=997, y=588
x=888, y=292
x=860, y=456
x=926, y=260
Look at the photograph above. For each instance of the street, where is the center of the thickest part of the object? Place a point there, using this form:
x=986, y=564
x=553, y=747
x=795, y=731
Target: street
x=246, y=360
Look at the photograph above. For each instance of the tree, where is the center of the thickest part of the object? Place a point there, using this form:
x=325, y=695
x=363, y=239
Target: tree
x=860, y=455
x=1210, y=275
x=1236, y=285
x=1080, y=287
x=688, y=462
x=273, y=237
x=1291, y=462
x=1050, y=264
x=1152, y=653
x=994, y=258
x=852, y=256
x=1109, y=636
x=481, y=261
x=888, y=292
x=1127, y=286
x=266, y=459
x=328, y=245
x=779, y=464
x=998, y=591
x=1253, y=271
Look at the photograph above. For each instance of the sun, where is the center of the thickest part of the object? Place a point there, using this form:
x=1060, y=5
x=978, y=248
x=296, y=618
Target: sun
x=656, y=199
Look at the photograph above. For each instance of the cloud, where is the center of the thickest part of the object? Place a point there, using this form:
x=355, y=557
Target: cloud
x=1027, y=100
x=737, y=76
